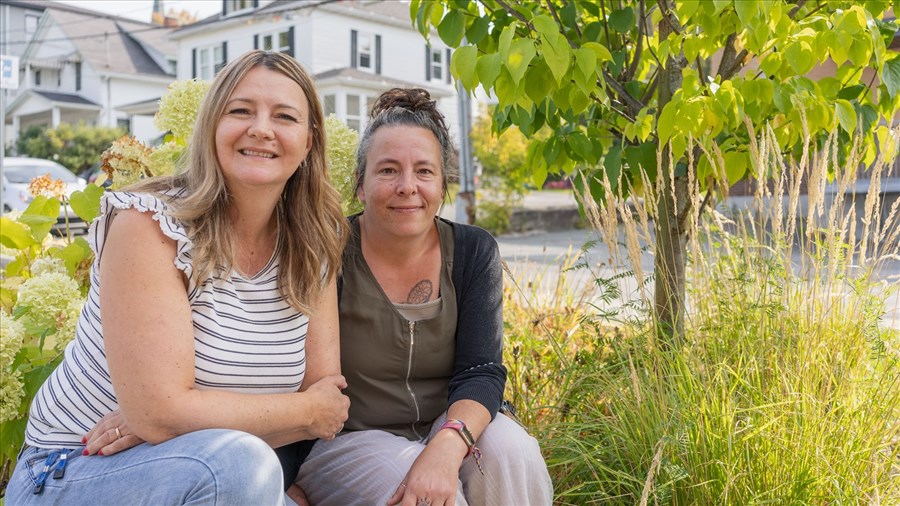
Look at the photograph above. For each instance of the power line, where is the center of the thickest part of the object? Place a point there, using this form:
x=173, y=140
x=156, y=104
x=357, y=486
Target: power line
x=93, y=36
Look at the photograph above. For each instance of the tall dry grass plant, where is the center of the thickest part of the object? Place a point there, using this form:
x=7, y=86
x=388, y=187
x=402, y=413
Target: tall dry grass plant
x=787, y=387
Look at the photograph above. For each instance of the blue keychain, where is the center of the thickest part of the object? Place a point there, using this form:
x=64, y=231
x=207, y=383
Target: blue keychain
x=39, y=484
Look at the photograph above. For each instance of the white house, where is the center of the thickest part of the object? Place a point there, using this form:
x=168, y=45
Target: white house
x=355, y=49
x=79, y=65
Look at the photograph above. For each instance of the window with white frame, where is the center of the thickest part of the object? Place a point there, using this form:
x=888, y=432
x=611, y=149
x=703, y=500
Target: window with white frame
x=282, y=41
x=232, y=6
x=209, y=60
x=328, y=105
x=437, y=64
x=365, y=51
x=354, y=117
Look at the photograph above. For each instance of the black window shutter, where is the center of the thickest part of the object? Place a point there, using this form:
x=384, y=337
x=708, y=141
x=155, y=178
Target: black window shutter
x=427, y=63
x=224, y=53
x=256, y=41
x=194, y=62
x=353, y=48
x=378, y=54
x=290, y=50
x=447, y=65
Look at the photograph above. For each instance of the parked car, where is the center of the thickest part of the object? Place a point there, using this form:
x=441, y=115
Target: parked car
x=18, y=173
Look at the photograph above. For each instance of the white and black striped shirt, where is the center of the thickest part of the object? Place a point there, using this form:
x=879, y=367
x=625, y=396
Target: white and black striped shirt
x=246, y=337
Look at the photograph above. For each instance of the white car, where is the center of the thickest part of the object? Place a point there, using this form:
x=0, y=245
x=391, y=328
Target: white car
x=18, y=173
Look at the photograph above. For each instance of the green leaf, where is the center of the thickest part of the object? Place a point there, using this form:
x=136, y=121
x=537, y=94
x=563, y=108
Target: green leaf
x=86, y=203
x=462, y=65
x=505, y=88
x=40, y=216
x=586, y=61
x=771, y=64
x=580, y=145
x=799, y=56
x=736, y=164
x=538, y=83
x=477, y=30
x=890, y=76
x=506, y=37
x=846, y=115
x=72, y=255
x=558, y=56
x=521, y=52
x=451, y=28
x=15, y=235
x=665, y=125
x=686, y=9
x=545, y=26
x=622, y=20
x=487, y=69
x=746, y=10
x=603, y=54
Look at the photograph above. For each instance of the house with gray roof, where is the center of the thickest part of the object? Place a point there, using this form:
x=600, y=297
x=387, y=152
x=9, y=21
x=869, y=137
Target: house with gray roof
x=78, y=65
x=355, y=49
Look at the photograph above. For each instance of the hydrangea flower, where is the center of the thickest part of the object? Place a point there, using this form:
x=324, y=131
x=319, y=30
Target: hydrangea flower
x=178, y=107
x=12, y=336
x=47, y=186
x=164, y=158
x=43, y=265
x=48, y=298
x=126, y=161
x=12, y=390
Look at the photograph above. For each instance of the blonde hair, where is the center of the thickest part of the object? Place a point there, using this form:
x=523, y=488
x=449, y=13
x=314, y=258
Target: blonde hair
x=311, y=223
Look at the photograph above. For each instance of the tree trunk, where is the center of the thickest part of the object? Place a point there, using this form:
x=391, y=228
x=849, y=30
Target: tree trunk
x=672, y=203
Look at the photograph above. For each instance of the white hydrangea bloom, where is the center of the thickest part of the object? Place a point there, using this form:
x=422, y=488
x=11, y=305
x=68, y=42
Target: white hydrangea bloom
x=44, y=265
x=12, y=336
x=12, y=390
x=48, y=297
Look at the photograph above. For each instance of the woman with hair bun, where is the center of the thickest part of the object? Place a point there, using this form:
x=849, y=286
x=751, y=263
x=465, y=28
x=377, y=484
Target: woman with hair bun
x=420, y=305
x=210, y=333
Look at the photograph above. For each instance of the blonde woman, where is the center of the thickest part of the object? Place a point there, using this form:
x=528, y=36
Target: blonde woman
x=210, y=335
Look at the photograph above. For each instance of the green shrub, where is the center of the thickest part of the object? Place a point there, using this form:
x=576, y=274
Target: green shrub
x=75, y=147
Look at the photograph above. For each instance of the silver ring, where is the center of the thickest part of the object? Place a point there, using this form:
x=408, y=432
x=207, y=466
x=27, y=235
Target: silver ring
x=403, y=485
x=118, y=434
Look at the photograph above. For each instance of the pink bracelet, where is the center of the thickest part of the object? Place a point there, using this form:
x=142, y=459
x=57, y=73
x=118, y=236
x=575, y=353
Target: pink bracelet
x=460, y=427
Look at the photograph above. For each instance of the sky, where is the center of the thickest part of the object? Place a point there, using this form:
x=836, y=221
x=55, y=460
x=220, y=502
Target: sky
x=141, y=9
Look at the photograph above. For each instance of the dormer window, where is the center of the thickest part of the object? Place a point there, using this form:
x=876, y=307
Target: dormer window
x=232, y=6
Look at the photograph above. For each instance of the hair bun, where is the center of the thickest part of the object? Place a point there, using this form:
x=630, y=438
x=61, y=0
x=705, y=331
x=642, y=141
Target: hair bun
x=414, y=100
x=411, y=99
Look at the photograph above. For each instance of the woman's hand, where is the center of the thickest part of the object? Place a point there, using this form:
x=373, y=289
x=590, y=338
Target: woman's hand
x=434, y=476
x=111, y=435
x=332, y=406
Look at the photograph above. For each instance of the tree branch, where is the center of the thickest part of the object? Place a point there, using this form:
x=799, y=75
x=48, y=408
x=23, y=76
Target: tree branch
x=516, y=14
x=632, y=103
x=605, y=26
x=559, y=22
x=639, y=48
x=670, y=18
x=793, y=12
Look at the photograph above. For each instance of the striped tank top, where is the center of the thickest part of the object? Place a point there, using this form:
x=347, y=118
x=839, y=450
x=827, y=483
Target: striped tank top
x=246, y=337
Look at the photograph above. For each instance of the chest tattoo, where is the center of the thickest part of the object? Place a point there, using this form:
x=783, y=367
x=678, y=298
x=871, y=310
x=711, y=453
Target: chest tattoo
x=420, y=293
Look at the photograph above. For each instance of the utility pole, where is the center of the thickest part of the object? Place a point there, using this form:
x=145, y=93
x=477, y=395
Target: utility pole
x=465, y=199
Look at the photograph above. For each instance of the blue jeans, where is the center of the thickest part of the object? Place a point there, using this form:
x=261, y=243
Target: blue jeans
x=215, y=466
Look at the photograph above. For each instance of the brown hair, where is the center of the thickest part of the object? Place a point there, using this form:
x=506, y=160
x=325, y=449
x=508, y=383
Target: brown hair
x=312, y=225
x=410, y=107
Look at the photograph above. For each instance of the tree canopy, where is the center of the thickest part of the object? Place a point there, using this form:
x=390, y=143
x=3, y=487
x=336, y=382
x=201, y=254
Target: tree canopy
x=623, y=84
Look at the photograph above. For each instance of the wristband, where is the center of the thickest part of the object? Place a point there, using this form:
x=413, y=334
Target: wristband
x=460, y=427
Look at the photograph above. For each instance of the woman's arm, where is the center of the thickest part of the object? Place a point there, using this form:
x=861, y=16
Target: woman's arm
x=149, y=342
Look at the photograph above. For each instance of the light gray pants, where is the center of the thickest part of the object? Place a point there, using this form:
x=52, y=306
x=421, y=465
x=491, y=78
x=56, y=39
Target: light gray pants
x=366, y=467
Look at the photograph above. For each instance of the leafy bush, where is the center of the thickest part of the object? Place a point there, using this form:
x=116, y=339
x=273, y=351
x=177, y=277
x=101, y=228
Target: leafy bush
x=75, y=147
